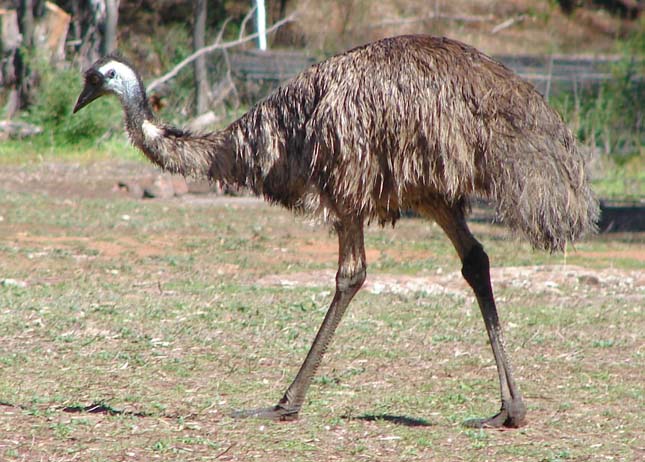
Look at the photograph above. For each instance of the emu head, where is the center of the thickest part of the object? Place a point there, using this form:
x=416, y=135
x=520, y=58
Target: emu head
x=110, y=75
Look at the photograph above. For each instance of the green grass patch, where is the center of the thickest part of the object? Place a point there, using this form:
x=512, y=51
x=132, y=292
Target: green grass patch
x=165, y=320
x=45, y=148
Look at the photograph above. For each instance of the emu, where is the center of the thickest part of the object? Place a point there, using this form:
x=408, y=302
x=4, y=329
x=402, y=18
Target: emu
x=406, y=123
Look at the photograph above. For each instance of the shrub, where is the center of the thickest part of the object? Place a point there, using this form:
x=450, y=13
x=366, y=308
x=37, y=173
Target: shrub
x=611, y=116
x=52, y=109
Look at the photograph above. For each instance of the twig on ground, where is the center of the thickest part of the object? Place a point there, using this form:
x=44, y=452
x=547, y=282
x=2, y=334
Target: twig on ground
x=224, y=451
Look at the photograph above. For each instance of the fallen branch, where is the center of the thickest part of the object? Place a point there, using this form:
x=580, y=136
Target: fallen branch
x=508, y=23
x=217, y=45
x=224, y=451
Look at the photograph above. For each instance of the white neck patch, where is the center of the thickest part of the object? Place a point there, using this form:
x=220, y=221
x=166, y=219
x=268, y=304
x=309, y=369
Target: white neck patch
x=150, y=130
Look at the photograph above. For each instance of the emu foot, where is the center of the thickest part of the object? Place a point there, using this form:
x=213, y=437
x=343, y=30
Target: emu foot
x=277, y=412
x=511, y=416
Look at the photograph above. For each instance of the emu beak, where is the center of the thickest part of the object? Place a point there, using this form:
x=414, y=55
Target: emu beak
x=90, y=93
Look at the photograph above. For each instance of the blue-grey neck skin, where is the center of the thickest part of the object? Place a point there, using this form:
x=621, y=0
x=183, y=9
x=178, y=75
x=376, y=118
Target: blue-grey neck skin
x=135, y=103
x=137, y=111
x=173, y=149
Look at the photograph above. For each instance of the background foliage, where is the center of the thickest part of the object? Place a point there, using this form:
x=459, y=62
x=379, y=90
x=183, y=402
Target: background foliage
x=607, y=118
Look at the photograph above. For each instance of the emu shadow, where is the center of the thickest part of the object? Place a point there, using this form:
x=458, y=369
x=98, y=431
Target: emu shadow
x=102, y=408
x=395, y=419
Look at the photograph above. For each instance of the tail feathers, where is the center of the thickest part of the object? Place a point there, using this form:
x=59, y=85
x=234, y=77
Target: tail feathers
x=547, y=198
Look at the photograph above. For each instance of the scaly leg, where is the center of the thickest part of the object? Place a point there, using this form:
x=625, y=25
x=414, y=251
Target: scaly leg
x=476, y=271
x=349, y=279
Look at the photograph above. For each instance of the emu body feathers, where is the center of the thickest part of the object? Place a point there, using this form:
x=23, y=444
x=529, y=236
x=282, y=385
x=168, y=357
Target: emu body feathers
x=385, y=126
x=410, y=122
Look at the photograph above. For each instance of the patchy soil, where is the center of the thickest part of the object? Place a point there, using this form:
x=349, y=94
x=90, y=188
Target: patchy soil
x=131, y=328
x=101, y=180
x=72, y=180
x=557, y=280
x=120, y=247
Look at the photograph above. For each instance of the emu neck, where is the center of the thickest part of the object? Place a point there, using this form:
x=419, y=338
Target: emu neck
x=137, y=111
x=210, y=155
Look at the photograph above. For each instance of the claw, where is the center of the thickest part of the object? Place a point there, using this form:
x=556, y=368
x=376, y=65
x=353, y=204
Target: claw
x=277, y=412
x=501, y=419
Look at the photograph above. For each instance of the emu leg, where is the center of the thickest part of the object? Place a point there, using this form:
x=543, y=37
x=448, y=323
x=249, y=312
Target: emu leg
x=476, y=271
x=349, y=279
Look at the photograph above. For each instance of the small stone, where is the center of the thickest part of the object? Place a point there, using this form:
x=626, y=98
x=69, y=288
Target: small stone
x=589, y=280
x=13, y=283
x=179, y=185
x=131, y=188
x=161, y=188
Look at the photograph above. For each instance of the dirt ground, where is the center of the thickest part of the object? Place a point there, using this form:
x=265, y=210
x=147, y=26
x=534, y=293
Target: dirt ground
x=131, y=328
x=101, y=180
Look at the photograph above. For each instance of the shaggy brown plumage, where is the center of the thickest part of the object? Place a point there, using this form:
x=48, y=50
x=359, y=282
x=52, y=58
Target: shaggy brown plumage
x=411, y=122
x=385, y=126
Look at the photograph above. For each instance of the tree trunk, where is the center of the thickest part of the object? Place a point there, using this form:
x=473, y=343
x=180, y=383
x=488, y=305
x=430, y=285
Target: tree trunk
x=26, y=22
x=10, y=41
x=108, y=43
x=93, y=28
x=21, y=65
x=201, y=74
x=50, y=33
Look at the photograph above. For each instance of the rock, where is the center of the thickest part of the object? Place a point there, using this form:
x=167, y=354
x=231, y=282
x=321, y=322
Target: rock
x=179, y=185
x=13, y=283
x=16, y=129
x=589, y=279
x=160, y=188
x=166, y=186
x=131, y=188
x=202, y=187
x=163, y=186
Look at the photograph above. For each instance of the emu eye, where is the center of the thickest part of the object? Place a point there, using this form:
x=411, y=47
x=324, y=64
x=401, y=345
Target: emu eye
x=110, y=74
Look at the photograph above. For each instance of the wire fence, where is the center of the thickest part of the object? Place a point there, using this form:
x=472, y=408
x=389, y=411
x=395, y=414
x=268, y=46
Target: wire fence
x=554, y=74
x=551, y=75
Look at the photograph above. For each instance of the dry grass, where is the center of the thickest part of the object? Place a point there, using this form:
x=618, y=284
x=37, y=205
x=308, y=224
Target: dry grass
x=537, y=27
x=132, y=328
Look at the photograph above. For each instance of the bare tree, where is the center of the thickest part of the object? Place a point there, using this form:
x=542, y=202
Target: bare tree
x=94, y=27
x=25, y=80
x=109, y=26
x=10, y=40
x=215, y=46
x=201, y=73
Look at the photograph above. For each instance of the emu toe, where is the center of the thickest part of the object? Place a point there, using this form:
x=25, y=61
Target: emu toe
x=513, y=419
x=277, y=412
